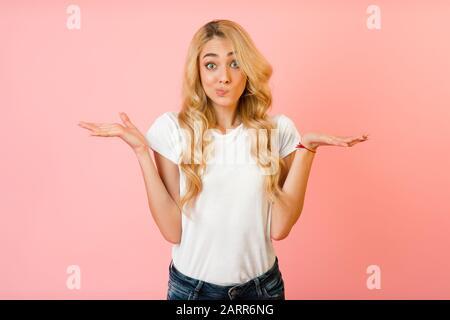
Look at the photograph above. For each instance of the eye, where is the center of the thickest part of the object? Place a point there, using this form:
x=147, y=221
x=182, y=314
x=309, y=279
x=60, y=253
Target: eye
x=234, y=61
x=207, y=64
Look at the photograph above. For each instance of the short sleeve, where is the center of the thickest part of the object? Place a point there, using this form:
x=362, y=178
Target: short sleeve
x=164, y=136
x=289, y=136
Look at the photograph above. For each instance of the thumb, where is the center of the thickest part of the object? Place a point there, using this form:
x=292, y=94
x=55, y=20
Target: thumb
x=126, y=120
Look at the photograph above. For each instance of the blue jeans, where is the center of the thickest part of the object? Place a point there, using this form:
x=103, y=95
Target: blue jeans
x=268, y=286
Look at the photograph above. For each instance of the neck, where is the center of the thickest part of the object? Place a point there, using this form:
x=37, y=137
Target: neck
x=227, y=116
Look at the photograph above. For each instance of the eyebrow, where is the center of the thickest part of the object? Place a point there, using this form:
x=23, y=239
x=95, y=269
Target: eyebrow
x=216, y=55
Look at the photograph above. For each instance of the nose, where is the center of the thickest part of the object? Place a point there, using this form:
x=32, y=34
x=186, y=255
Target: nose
x=224, y=76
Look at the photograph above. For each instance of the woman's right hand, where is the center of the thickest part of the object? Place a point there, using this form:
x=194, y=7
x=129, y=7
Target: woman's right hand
x=127, y=132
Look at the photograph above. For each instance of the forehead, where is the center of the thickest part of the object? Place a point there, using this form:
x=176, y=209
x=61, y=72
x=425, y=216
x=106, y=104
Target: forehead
x=218, y=46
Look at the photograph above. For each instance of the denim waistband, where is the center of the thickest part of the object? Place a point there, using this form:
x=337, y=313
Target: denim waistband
x=196, y=283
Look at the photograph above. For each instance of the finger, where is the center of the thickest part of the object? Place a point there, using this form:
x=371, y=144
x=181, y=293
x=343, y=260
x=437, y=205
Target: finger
x=112, y=131
x=106, y=126
x=353, y=143
x=83, y=124
x=100, y=134
x=363, y=138
x=340, y=143
x=126, y=120
x=343, y=140
x=355, y=138
x=95, y=124
x=88, y=128
x=87, y=125
x=336, y=141
x=100, y=125
x=348, y=141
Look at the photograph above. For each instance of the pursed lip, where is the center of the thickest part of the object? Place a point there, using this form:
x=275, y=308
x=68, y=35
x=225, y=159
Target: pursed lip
x=221, y=92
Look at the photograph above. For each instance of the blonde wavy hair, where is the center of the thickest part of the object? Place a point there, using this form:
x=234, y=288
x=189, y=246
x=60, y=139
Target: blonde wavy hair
x=197, y=114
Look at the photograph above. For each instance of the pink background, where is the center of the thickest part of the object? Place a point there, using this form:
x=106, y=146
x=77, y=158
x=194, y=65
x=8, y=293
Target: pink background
x=70, y=199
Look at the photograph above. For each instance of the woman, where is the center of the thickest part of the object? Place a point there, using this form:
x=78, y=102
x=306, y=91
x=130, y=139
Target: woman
x=229, y=178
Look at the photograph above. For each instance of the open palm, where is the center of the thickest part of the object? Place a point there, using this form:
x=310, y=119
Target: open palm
x=314, y=140
x=127, y=132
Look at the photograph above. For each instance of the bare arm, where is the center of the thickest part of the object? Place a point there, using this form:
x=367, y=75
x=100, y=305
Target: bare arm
x=287, y=209
x=162, y=187
x=165, y=210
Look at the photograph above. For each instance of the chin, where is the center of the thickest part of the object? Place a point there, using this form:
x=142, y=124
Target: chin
x=223, y=103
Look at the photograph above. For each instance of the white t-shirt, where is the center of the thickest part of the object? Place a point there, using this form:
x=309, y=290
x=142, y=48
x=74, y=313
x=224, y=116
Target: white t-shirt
x=227, y=241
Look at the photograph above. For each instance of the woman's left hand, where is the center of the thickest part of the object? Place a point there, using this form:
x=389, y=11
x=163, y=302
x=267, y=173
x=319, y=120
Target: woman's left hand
x=313, y=140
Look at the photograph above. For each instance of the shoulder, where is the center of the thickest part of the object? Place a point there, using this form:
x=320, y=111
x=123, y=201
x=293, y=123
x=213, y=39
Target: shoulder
x=165, y=124
x=164, y=136
x=167, y=121
x=281, y=120
x=288, y=134
x=168, y=117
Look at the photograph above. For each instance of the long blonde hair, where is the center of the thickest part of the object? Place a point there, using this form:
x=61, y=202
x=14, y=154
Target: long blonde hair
x=252, y=109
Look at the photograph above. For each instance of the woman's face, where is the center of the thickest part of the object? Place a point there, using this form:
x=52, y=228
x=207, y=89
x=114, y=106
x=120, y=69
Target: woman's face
x=220, y=71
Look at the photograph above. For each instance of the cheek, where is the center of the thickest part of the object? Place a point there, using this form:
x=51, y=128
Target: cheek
x=207, y=79
x=209, y=83
x=239, y=78
x=242, y=82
